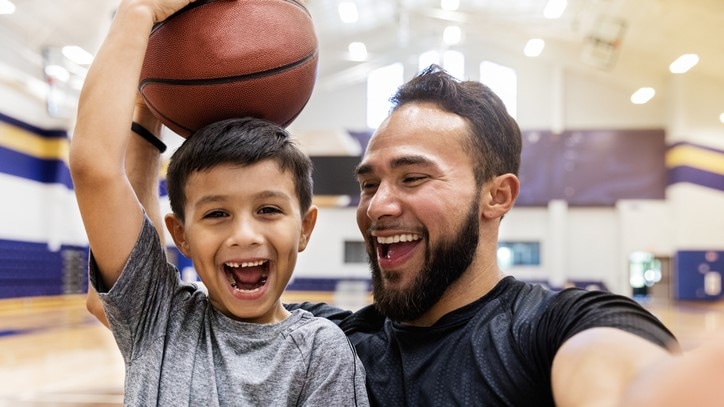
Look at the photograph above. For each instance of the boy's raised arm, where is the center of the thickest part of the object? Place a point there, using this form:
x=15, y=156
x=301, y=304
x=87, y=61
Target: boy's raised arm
x=111, y=212
x=143, y=165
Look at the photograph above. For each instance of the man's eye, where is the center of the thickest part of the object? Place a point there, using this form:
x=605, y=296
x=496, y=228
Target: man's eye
x=413, y=178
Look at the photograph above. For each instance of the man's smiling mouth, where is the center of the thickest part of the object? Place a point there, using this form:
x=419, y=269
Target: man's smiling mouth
x=389, y=246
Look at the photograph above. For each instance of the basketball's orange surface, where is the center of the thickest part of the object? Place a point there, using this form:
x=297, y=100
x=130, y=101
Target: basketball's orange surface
x=215, y=60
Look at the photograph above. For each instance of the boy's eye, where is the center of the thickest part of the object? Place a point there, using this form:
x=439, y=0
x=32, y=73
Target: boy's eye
x=367, y=185
x=215, y=214
x=268, y=210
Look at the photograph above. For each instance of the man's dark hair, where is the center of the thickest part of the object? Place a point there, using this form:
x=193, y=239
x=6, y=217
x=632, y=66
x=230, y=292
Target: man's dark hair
x=494, y=136
x=239, y=142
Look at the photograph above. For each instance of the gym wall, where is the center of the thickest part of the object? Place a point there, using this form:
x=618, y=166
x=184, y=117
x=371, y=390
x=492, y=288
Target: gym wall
x=578, y=241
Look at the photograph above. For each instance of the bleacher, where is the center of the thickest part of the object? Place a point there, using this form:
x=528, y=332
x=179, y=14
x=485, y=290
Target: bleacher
x=29, y=269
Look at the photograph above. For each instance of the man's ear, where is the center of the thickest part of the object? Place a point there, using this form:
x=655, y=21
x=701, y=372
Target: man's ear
x=176, y=229
x=308, y=222
x=500, y=195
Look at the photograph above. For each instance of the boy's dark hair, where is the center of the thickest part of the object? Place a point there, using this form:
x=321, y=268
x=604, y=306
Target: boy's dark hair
x=241, y=142
x=495, y=136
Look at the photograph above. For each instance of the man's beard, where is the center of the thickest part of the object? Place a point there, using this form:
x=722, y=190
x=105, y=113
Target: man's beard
x=444, y=264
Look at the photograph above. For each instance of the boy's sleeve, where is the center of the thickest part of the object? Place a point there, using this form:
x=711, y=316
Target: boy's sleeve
x=336, y=376
x=321, y=310
x=138, y=304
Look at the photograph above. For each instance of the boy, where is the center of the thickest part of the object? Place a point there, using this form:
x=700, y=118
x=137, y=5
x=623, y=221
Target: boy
x=240, y=192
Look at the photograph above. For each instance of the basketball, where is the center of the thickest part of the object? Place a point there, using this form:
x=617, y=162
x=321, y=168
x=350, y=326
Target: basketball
x=218, y=59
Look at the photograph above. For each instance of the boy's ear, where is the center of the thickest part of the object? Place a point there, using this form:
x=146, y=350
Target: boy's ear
x=499, y=195
x=308, y=221
x=176, y=229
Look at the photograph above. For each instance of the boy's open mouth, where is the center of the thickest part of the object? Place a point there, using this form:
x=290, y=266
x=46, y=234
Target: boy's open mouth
x=247, y=277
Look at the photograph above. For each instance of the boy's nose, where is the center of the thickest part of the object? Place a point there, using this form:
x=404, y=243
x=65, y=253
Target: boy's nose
x=245, y=232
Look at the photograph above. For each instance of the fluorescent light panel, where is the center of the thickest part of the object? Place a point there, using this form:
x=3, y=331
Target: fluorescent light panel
x=348, y=12
x=357, y=51
x=534, y=47
x=554, y=8
x=57, y=72
x=684, y=63
x=642, y=95
x=6, y=7
x=450, y=5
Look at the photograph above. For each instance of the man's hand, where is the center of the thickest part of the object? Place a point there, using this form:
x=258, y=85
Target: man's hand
x=695, y=378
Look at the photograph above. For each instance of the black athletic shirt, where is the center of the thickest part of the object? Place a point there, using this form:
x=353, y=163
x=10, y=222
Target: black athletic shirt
x=496, y=351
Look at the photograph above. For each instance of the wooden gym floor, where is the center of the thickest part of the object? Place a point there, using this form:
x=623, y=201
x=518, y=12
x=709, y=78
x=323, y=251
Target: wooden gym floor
x=53, y=353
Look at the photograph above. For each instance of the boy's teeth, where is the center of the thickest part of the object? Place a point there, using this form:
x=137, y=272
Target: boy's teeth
x=245, y=264
x=232, y=267
x=407, y=237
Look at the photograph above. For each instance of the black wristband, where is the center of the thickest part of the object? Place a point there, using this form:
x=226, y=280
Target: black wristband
x=148, y=136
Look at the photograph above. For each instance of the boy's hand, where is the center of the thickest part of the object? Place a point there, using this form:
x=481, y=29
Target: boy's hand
x=161, y=9
x=143, y=115
x=164, y=8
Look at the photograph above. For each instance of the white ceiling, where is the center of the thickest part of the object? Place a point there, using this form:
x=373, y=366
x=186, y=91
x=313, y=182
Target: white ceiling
x=656, y=32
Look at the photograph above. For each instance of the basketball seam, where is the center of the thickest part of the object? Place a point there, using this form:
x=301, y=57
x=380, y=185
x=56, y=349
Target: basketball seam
x=300, y=5
x=206, y=81
x=228, y=79
x=167, y=118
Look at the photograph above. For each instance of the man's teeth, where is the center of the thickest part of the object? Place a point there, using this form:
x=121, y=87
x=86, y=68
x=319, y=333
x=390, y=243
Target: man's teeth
x=408, y=237
x=245, y=264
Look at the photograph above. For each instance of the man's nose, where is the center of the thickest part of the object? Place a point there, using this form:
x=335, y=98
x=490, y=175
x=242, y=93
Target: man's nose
x=385, y=202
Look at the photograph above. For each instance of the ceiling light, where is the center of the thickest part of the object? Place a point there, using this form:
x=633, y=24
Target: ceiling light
x=642, y=96
x=348, y=12
x=6, y=7
x=451, y=35
x=57, y=72
x=449, y=5
x=721, y=117
x=534, y=47
x=554, y=8
x=77, y=54
x=684, y=63
x=357, y=51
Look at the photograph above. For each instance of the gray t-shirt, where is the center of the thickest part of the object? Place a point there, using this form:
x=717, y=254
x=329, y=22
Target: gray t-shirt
x=180, y=351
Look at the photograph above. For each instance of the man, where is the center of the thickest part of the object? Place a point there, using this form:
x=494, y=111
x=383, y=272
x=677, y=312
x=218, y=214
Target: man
x=436, y=179
x=448, y=327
